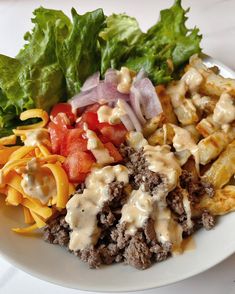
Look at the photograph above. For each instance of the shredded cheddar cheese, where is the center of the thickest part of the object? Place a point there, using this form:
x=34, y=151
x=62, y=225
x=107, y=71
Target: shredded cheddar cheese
x=34, y=113
x=33, y=169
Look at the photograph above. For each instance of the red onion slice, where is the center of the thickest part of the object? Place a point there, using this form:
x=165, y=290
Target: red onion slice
x=127, y=122
x=128, y=110
x=135, y=100
x=82, y=99
x=143, y=98
x=91, y=82
x=141, y=75
x=105, y=92
x=111, y=76
x=151, y=105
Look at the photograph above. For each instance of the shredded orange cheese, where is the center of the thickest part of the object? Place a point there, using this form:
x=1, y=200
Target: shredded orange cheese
x=13, y=164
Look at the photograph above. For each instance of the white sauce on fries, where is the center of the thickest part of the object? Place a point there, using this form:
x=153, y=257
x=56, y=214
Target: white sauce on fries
x=224, y=112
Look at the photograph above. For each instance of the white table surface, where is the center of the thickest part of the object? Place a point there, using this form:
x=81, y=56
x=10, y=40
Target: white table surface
x=216, y=20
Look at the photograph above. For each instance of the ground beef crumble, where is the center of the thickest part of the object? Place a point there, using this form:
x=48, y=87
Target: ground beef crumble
x=142, y=249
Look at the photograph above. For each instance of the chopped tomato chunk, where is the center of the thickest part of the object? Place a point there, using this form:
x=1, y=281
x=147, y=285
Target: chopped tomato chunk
x=58, y=129
x=77, y=165
x=73, y=141
x=91, y=119
x=114, y=133
x=56, y=137
x=113, y=152
x=103, y=139
x=63, y=108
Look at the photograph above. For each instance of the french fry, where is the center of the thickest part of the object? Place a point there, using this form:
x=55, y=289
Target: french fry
x=207, y=126
x=153, y=124
x=162, y=136
x=166, y=104
x=186, y=113
x=211, y=146
x=221, y=203
x=222, y=169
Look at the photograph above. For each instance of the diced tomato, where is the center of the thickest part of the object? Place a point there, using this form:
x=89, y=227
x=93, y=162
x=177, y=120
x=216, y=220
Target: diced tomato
x=58, y=129
x=91, y=119
x=73, y=142
x=103, y=139
x=77, y=165
x=113, y=151
x=62, y=121
x=63, y=108
x=55, y=135
x=114, y=133
x=92, y=108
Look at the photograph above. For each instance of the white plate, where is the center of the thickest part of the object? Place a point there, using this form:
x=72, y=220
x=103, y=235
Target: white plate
x=55, y=265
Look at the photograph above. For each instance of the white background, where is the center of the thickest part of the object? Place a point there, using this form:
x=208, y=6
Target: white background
x=216, y=20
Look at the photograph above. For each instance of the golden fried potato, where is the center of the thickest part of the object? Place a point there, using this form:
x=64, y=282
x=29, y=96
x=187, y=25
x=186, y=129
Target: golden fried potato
x=222, y=169
x=207, y=126
x=210, y=147
x=217, y=85
x=213, y=84
x=161, y=136
x=193, y=131
x=186, y=113
x=223, y=201
x=165, y=100
x=153, y=124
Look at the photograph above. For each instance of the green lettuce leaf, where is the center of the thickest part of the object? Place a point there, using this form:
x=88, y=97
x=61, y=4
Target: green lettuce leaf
x=168, y=40
x=41, y=77
x=12, y=97
x=117, y=40
x=34, y=78
x=79, y=55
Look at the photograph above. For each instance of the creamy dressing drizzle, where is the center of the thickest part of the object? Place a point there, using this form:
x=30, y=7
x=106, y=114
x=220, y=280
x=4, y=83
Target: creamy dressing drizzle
x=35, y=137
x=125, y=80
x=110, y=115
x=97, y=148
x=137, y=210
x=193, y=79
x=38, y=182
x=224, y=112
x=82, y=209
x=161, y=160
x=136, y=140
x=183, y=140
x=187, y=208
x=167, y=230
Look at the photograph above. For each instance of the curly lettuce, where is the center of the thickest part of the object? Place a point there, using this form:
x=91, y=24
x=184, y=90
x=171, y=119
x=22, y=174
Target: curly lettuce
x=60, y=54
x=166, y=45
x=78, y=54
x=117, y=40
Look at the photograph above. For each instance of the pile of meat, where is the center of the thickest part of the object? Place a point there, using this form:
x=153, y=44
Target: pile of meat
x=142, y=249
